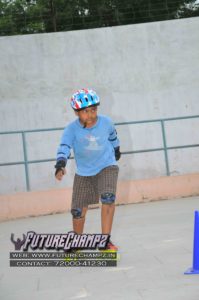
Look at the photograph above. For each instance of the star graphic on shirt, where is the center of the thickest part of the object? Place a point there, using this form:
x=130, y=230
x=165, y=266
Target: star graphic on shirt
x=93, y=145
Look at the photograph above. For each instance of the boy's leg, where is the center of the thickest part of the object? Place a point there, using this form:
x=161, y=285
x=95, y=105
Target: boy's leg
x=107, y=214
x=107, y=183
x=83, y=195
x=78, y=221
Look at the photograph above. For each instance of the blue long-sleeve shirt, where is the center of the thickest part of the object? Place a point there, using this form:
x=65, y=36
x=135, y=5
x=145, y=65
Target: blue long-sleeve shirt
x=93, y=147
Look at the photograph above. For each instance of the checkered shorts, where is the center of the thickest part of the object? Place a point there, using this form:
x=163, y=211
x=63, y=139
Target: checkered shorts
x=87, y=189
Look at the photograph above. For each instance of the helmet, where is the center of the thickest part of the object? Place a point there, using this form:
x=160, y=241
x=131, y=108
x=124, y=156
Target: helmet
x=84, y=98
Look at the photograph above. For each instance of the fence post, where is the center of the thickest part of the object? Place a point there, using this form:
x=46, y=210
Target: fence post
x=25, y=161
x=165, y=148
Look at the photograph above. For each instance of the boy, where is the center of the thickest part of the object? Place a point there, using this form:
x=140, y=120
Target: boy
x=94, y=141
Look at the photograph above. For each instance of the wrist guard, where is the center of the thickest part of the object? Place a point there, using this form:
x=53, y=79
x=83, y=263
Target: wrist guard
x=117, y=153
x=60, y=165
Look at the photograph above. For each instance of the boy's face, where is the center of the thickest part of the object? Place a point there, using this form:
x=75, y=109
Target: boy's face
x=87, y=116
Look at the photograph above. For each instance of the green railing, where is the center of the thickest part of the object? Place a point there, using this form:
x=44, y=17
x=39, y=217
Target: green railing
x=165, y=148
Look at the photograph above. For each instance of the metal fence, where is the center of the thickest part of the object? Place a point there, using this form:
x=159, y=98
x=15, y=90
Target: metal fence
x=165, y=148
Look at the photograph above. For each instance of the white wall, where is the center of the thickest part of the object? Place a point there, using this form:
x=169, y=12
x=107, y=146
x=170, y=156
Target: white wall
x=144, y=71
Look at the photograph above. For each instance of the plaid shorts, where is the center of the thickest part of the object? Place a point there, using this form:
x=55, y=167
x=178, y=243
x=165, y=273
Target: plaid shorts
x=87, y=189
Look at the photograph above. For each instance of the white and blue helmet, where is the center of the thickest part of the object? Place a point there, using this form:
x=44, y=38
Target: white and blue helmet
x=84, y=98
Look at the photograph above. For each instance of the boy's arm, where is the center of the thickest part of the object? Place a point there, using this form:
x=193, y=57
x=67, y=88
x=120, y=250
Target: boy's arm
x=63, y=152
x=115, y=141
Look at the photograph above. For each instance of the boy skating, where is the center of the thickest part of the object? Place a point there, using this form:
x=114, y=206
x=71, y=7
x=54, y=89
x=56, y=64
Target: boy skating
x=94, y=141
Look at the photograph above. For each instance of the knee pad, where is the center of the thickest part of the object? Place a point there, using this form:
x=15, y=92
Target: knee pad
x=76, y=213
x=107, y=198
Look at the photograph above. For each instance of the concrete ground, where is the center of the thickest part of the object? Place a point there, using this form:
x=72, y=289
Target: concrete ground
x=155, y=241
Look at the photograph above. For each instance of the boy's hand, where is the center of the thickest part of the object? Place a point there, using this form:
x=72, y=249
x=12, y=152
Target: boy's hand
x=60, y=169
x=59, y=173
